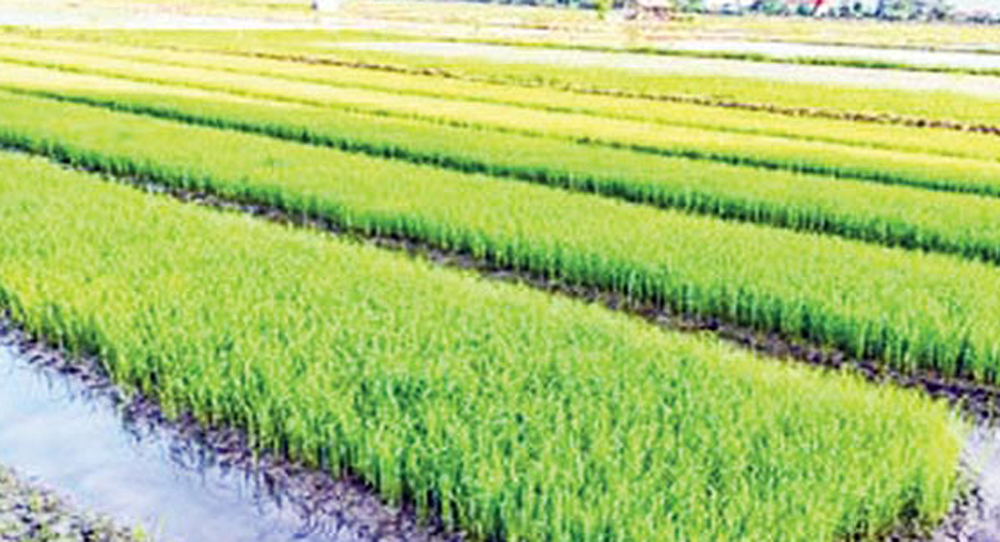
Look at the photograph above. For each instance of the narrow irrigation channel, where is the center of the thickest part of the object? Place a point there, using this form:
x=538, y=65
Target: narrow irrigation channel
x=62, y=424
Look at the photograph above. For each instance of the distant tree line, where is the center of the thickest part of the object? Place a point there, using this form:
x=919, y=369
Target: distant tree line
x=893, y=10
x=890, y=10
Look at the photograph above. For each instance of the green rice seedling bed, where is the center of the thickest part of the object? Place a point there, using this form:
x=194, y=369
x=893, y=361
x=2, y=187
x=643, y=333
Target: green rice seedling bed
x=504, y=411
x=916, y=311
x=767, y=152
x=314, y=46
x=945, y=143
x=892, y=215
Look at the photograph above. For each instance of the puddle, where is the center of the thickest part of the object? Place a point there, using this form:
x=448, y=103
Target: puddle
x=977, y=518
x=71, y=434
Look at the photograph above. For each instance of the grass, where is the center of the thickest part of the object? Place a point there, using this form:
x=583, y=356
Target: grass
x=916, y=311
x=805, y=96
x=891, y=215
x=769, y=152
x=506, y=411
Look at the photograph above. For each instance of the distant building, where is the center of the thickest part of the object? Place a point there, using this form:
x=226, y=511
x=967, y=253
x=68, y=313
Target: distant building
x=976, y=10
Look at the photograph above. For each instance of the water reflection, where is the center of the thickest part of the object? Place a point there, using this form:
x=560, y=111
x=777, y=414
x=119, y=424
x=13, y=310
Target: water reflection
x=977, y=518
x=119, y=460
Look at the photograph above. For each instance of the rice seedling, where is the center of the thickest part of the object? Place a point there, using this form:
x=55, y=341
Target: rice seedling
x=891, y=215
x=944, y=173
x=313, y=47
x=889, y=137
x=914, y=310
x=502, y=410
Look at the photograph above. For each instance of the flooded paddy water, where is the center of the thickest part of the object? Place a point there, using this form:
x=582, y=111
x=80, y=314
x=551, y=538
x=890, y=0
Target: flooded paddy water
x=68, y=430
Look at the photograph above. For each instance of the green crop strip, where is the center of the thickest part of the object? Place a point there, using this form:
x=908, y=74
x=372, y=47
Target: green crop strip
x=914, y=310
x=933, y=172
x=685, y=115
x=796, y=99
x=507, y=412
x=895, y=216
x=965, y=113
